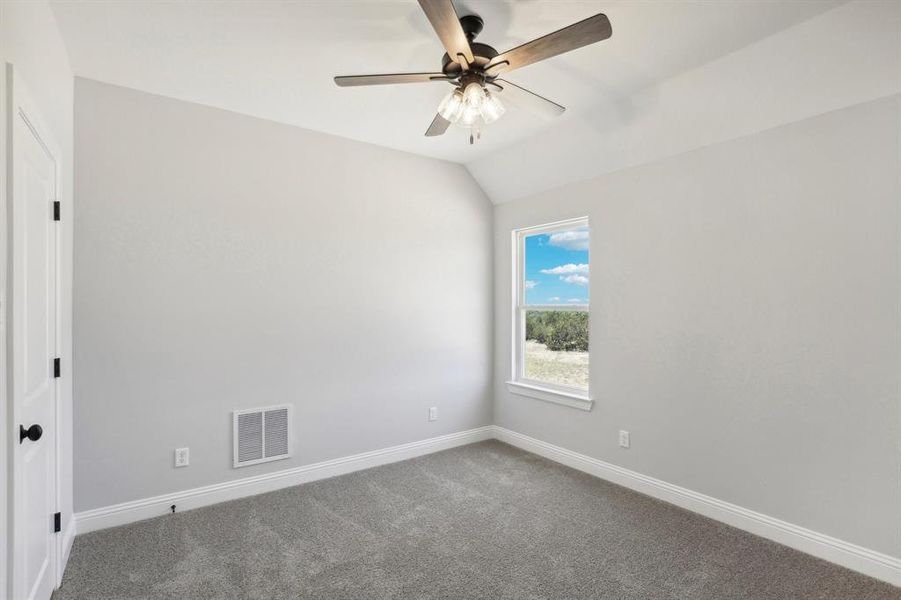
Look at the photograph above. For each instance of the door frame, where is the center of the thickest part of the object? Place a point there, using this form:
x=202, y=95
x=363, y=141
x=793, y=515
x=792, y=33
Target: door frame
x=19, y=105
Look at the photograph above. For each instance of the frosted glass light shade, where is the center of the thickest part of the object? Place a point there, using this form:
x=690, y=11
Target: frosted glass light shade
x=474, y=95
x=469, y=117
x=492, y=108
x=451, y=107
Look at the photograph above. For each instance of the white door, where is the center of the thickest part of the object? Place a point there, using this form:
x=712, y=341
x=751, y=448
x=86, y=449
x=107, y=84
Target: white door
x=33, y=325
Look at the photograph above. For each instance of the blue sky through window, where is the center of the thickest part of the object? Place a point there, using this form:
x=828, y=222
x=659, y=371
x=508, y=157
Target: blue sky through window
x=556, y=269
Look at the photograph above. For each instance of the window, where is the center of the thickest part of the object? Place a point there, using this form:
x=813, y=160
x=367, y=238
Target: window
x=551, y=313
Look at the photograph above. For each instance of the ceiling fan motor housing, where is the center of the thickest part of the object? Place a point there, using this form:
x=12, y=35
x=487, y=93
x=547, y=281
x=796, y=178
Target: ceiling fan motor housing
x=481, y=53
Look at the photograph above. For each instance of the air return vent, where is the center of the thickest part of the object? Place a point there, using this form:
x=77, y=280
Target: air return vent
x=262, y=434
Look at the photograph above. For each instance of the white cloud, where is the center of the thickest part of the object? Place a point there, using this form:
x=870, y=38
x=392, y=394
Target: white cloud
x=575, y=279
x=568, y=269
x=570, y=273
x=530, y=284
x=576, y=300
x=570, y=240
x=554, y=299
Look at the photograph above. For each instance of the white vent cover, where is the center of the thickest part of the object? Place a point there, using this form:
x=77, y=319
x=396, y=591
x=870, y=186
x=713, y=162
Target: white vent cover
x=262, y=434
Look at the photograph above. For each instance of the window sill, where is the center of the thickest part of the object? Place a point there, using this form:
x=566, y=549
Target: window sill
x=573, y=400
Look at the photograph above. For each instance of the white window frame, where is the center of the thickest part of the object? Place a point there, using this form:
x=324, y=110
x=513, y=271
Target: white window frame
x=519, y=383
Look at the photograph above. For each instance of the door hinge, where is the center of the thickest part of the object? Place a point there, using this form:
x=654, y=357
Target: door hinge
x=56, y=210
x=57, y=367
x=57, y=522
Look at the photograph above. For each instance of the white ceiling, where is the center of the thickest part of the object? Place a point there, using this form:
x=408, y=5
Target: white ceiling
x=276, y=60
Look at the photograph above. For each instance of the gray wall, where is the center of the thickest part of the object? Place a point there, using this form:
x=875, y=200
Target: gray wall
x=225, y=262
x=745, y=322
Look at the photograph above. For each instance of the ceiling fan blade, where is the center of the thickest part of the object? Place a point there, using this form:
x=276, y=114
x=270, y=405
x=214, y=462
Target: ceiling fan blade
x=438, y=127
x=446, y=23
x=591, y=30
x=531, y=100
x=354, y=80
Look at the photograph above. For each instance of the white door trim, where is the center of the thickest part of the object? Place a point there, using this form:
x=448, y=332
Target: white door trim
x=19, y=105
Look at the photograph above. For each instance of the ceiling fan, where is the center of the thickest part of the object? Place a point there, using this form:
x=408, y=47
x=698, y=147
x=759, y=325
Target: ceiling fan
x=472, y=67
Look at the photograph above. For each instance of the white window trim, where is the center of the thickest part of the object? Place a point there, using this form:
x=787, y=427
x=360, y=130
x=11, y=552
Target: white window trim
x=519, y=383
x=542, y=392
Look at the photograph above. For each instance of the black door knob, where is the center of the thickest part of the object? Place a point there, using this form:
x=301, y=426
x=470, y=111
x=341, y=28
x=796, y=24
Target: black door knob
x=33, y=433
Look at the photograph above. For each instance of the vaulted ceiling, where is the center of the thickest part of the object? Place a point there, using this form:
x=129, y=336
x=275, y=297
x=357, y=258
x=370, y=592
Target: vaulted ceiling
x=276, y=60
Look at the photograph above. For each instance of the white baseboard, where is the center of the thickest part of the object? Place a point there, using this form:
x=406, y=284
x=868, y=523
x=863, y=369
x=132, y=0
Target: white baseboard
x=66, y=548
x=875, y=564
x=138, y=510
x=869, y=562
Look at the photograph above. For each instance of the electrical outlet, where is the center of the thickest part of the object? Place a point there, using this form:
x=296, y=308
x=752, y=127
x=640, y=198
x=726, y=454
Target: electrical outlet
x=433, y=413
x=623, y=438
x=181, y=457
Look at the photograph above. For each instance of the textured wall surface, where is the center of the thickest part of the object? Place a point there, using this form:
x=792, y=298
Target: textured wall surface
x=745, y=322
x=227, y=262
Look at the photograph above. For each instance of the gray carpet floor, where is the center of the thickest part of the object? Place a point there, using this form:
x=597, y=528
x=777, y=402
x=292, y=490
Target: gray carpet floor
x=480, y=521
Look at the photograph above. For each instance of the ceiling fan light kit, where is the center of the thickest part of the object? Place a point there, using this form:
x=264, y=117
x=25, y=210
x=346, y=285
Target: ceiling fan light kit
x=472, y=67
x=471, y=106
